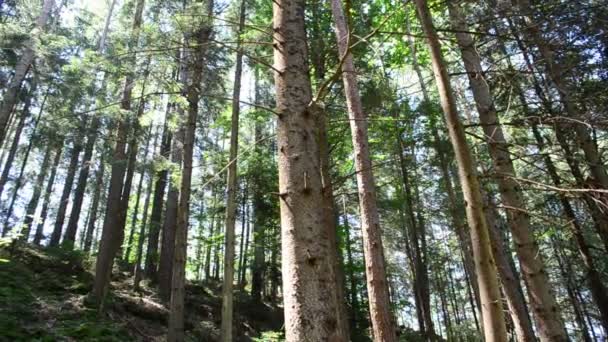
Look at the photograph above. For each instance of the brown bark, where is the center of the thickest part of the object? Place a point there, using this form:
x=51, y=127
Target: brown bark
x=231, y=191
x=309, y=280
x=99, y=188
x=12, y=152
x=494, y=325
x=151, y=262
x=378, y=298
x=38, y=236
x=30, y=211
x=112, y=234
x=193, y=92
x=10, y=97
x=542, y=298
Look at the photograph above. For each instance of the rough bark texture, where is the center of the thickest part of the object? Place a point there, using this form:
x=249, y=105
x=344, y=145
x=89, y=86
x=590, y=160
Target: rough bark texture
x=377, y=287
x=112, y=234
x=494, y=325
x=10, y=97
x=309, y=281
x=231, y=192
x=542, y=298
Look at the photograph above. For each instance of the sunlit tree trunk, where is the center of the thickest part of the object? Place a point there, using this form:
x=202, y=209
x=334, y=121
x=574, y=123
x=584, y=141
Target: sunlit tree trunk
x=309, y=280
x=378, y=298
x=494, y=324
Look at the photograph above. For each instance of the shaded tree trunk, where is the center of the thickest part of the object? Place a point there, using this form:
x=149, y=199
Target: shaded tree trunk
x=10, y=97
x=30, y=211
x=98, y=189
x=112, y=233
x=38, y=236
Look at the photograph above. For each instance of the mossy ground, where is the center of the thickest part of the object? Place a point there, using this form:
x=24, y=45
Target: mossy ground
x=43, y=292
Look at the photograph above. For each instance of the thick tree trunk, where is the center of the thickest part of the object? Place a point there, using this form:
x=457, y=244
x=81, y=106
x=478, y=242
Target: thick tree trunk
x=38, y=236
x=379, y=305
x=494, y=325
x=30, y=211
x=309, y=280
x=542, y=299
x=10, y=97
x=231, y=191
x=99, y=188
x=112, y=234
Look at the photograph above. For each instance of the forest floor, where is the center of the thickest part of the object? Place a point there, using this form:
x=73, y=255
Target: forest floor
x=43, y=292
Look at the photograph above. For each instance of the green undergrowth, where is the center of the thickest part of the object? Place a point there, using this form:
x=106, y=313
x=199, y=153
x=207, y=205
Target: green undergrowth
x=41, y=298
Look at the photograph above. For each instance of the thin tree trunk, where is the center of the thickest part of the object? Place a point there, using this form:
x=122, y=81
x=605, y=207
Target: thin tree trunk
x=138, y=198
x=544, y=306
x=379, y=305
x=309, y=280
x=30, y=211
x=10, y=97
x=83, y=176
x=231, y=191
x=98, y=189
x=67, y=190
x=494, y=325
x=15, y=144
x=151, y=262
x=47, y=196
x=193, y=91
x=112, y=234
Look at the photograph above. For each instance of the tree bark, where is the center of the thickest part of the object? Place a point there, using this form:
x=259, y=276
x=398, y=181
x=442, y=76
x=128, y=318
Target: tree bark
x=378, y=298
x=151, y=262
x=30, y=211
x=112, y=234
x=14, y=145
x=231, y=191
x=309, y=280
x=542, y=299
x=47, y=196
x=99, y=188
x=23, y=66
x=494, y=325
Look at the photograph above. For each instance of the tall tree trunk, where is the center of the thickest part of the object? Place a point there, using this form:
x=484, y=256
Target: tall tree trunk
x=309, y=280
x=138, y=198
x=494, y=325
x=232, y=188
x=30, y=211
x=193, y=92
x=542, y=298
x=98, y=189
x=378, y=298
x=83, y=176
x=354, y=300
x=112, y=234
x=10, y=97
x=558, y=76
x=47, y=196
x=67, y=190
x=12, y=152
x=151, y=262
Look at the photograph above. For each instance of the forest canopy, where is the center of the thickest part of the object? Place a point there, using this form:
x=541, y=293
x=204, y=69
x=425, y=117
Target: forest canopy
x=304, y=170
